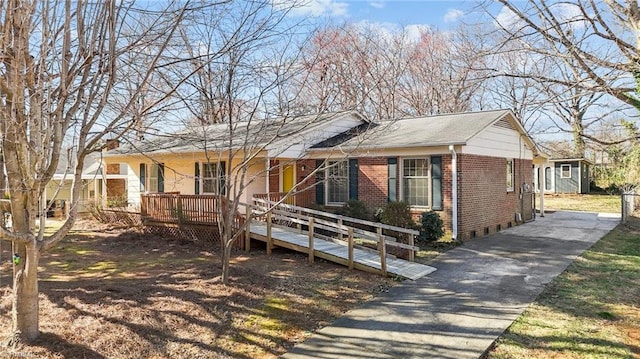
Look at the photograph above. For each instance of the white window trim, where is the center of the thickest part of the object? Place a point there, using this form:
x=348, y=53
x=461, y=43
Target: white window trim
x=513, y=174
x=562, y=171
x=326, y=184
x=401, y=180
x=146, y=178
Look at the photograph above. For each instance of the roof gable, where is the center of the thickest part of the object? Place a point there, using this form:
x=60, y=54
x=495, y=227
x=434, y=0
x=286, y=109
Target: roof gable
x=438, y=130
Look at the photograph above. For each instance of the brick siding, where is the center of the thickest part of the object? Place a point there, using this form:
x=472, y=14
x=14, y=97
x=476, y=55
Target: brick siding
x=304, y=168
x=484, y=203
x=274, y=176
x=373, y=181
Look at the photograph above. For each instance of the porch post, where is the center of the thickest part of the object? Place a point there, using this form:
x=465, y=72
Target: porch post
x=543, y=179
x=95, y=190
x=268, y=164
x=103, y=171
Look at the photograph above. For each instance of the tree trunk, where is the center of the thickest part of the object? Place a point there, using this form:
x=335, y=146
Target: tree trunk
x=578, y=141
x=25, y=293
x=225, y=240
x=3, y=176
x=25, y=269
x=226, y=261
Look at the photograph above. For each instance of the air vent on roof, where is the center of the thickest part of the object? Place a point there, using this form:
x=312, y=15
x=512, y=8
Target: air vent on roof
x=504, y=124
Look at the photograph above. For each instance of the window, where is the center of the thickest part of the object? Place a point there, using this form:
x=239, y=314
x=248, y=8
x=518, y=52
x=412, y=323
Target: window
x=415, y=181
x=152, y=177
x=210, y=178
x=510, y=178
x=143, y=177
x=337, y=182
x=565, y=171
x=547, y=178
x=156, y=177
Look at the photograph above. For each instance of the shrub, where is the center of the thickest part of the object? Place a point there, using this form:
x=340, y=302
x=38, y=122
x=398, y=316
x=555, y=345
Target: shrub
x=431, y=226
x=355, y=209
x=377, y=214
x=397, y=214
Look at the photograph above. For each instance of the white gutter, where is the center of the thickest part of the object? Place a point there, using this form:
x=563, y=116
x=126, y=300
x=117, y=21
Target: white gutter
x=454, y=192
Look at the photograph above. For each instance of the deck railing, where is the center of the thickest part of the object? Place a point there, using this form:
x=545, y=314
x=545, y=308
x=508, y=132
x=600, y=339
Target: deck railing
x=180, y=208
x=187, y=209
x=336, y=228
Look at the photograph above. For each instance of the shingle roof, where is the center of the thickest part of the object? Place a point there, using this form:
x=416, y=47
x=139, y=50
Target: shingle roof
x=438, y=130
x=427, y=131
x=66, y=169
x=253, y=134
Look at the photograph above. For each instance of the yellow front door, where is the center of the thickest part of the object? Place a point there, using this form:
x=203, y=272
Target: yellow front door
x=288, y=181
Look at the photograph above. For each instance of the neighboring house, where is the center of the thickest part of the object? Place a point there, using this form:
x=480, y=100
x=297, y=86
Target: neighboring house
x=474, y=168
x=565, y=175
x=94, y=183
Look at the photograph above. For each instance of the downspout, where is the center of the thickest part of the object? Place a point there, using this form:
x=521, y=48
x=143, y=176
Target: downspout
x=454, y=192
x=268, y=164
x=543, y=187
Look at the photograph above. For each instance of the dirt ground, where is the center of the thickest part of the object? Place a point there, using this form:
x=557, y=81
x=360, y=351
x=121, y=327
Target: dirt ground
x=121, y=294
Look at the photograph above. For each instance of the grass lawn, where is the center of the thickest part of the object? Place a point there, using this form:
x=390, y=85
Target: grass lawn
x=118, y=294
x=583, y=202
x=592, y=310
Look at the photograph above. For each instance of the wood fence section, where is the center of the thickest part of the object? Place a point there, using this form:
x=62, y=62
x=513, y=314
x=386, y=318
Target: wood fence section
x=115, y=216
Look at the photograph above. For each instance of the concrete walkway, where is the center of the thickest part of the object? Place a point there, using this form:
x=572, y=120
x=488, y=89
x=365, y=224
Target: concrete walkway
x=478, y=290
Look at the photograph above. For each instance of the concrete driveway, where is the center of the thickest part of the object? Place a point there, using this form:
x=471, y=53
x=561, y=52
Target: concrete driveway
x=478, y=290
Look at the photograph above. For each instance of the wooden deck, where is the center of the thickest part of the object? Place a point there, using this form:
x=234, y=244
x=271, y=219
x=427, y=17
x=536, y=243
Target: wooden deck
x=336, y=252
x=316, y=233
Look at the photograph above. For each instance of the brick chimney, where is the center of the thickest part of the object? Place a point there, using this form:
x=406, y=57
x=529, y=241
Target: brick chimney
x=112, y=144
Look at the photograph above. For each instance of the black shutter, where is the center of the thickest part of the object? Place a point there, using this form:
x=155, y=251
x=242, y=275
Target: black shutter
x=436, y=183
x=392, y=179
x=160, y=177
x=320, y=182
x=197, y=178
x=143, y=177
x=353, y=178
x=222, y=175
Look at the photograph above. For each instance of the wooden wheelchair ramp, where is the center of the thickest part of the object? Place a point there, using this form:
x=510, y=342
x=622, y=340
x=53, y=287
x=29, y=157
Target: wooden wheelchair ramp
x=334, y=251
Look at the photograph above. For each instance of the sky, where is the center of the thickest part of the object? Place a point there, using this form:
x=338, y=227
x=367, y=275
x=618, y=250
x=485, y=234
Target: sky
x=434, y=13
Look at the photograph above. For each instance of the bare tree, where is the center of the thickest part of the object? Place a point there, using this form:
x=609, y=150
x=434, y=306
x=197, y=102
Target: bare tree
x=598, y=40
x=241, y=55
x=444, y=73
x=59, y=69
x=389, y=73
